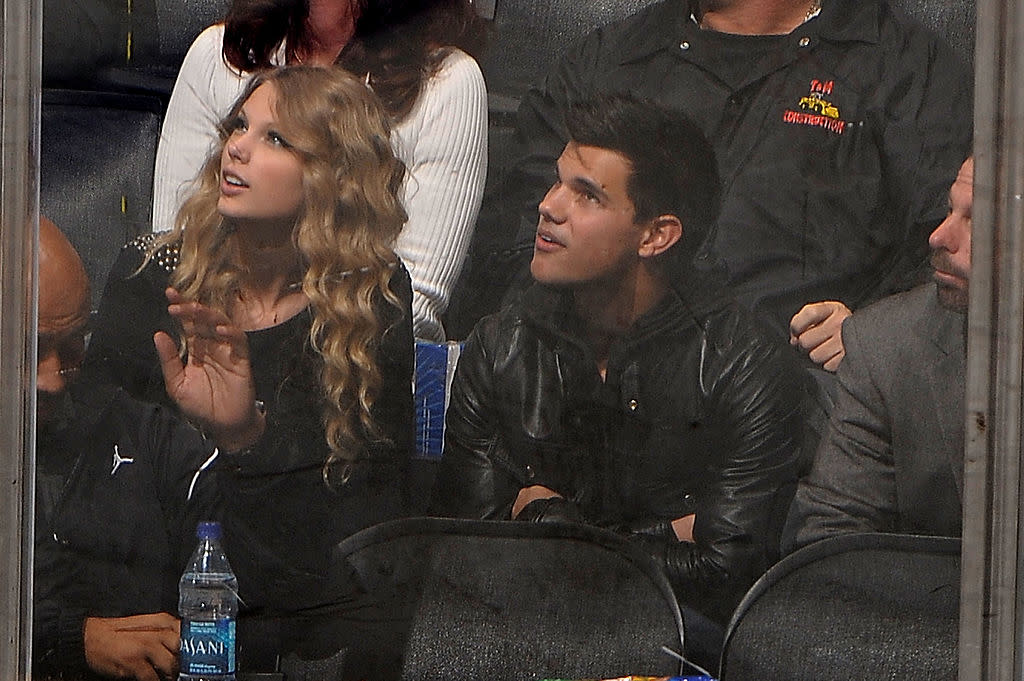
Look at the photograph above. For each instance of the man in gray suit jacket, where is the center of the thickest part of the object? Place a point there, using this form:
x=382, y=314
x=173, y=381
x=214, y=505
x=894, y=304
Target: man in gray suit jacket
x=892, y=460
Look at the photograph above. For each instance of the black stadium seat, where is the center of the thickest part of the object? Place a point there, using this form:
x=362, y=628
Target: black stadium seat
x=864, y=606
x=162, y=31
x=952, y=19
x=513, y=601
x=96, y=170
x=527, y=37
x=120, y=46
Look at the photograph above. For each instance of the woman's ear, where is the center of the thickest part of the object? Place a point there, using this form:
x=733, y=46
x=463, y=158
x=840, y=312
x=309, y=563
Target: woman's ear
x=660, y=234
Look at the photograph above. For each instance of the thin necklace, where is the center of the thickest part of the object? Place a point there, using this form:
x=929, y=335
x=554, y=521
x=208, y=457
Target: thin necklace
x=812, y=11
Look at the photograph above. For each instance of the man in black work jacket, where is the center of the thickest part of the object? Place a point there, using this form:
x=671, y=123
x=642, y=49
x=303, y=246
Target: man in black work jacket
x=838, y=126
x=612, y=394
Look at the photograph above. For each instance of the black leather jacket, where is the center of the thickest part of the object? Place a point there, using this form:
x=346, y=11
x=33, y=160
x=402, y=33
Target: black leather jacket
x=699, y=413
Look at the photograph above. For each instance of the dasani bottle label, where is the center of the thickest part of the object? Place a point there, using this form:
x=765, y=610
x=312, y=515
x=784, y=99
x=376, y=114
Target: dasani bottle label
x=208, y=647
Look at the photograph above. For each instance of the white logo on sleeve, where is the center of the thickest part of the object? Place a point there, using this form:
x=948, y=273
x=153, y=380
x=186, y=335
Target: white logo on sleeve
x=118, y=460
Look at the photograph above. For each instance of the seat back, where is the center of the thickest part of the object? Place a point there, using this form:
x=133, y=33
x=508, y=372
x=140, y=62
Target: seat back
x=503, y=600
x=848, y=607
x=96, y=171
x=529, y=35
x=527, y=38
x=81, y=38
x=953, y=19
x=135, y=46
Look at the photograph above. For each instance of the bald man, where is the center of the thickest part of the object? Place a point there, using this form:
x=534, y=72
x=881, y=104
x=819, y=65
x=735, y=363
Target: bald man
x=120, y=487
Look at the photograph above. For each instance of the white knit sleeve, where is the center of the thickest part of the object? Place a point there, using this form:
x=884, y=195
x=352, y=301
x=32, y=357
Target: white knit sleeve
x=203, y=93
x=443, y=141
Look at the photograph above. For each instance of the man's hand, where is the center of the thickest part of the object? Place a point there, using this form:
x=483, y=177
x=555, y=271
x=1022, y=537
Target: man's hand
x=216, y=386
x=531, y=493
x=683, y=527
x=817, y=330
x=143, y=647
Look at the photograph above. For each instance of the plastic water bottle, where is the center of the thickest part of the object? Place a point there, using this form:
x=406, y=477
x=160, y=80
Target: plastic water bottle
x=208, y=604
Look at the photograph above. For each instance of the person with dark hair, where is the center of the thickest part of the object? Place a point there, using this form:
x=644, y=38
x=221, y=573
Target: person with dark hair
x=415, y=55
x=838, y=126
x=620, y=390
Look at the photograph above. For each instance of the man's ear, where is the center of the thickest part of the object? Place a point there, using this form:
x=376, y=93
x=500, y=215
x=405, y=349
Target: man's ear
x=660, y=234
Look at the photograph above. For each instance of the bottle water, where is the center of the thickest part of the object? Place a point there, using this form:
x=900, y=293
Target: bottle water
x=208, y=604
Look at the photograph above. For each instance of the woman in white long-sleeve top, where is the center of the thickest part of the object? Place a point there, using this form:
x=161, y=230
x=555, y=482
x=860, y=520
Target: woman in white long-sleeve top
x=415, y=55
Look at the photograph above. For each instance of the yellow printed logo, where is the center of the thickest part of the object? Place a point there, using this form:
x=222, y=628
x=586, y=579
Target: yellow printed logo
x=815, y=102
x=817, y=111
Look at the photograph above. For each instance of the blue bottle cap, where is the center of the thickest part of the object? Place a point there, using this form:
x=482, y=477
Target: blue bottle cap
x=209, y=529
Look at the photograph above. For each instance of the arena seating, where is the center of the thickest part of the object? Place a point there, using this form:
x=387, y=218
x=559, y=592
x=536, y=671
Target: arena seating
x=494, y=600
x=96, y=154
x=879, y=606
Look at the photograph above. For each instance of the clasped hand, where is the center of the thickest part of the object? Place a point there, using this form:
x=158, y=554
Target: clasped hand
x=817, y=329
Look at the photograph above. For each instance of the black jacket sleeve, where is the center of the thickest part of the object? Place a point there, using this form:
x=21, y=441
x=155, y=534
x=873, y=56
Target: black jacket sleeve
x=472, y=482
x=756, y=395
x=132, y=309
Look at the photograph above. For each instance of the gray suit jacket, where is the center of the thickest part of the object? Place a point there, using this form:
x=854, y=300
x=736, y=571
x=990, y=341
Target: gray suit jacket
x=892, y=460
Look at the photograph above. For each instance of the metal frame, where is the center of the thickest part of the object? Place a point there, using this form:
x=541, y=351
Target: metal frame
x=20, y=73
x=990, y=634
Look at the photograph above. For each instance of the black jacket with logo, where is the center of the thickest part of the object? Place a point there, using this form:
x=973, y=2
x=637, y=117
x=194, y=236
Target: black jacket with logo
x=837, y=143
x=698, y=413
x=121, y=485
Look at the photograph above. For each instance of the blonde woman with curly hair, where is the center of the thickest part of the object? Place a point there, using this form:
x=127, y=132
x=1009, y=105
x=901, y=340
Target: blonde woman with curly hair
x=284, y=252
x=418, y=56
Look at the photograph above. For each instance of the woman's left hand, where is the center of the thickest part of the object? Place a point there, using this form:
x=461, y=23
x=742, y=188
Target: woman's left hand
x=215, y=386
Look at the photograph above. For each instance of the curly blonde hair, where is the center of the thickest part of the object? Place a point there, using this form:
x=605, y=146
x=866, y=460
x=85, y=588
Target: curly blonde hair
x=344, y=234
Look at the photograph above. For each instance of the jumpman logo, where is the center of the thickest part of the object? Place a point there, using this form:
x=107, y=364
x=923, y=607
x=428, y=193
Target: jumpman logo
x=118, y=460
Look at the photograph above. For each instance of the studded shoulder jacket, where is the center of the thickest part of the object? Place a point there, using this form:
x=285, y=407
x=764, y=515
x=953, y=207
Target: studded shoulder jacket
x=282, y=546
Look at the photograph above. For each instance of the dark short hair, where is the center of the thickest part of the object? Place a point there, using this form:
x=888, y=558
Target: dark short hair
x=674, y=171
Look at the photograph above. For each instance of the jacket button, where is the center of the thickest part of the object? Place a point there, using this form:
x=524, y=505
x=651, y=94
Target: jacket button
x=684, y=45
x=632, y=405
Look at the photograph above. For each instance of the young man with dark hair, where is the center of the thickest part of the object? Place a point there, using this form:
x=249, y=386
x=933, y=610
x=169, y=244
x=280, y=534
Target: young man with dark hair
x=838, y=126
x=619, y=391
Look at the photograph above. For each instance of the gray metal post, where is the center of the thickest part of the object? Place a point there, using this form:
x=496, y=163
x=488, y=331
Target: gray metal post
x=990, y=633
x=20, y=67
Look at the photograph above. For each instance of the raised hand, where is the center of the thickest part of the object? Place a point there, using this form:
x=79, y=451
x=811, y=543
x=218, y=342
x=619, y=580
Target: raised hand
x=215, y=386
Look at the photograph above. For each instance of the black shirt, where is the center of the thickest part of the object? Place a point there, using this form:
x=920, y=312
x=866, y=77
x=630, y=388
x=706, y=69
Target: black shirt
x=837, y=143
x=281, y=518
